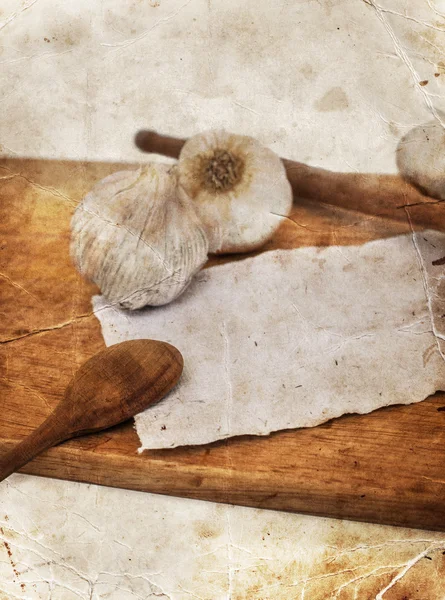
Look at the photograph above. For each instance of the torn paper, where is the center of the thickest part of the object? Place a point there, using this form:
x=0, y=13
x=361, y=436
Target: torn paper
x=292, y=338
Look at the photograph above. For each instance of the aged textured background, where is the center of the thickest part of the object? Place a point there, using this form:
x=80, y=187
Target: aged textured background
x=333, y=83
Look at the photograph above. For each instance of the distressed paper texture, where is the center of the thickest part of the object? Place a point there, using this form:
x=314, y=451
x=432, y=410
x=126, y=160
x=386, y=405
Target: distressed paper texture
x=69, y=541
x=429, y=249
x=291, y=338
x=332, y=83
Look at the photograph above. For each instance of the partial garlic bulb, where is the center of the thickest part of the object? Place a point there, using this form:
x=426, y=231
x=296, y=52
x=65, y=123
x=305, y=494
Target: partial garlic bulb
x=136, y=239
x=421, y=158
x=239, y=189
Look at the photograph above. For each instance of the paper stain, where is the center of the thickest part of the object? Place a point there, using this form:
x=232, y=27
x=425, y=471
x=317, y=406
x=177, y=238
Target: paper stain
x=10, y=557
x=273, y=556
x=332, y=101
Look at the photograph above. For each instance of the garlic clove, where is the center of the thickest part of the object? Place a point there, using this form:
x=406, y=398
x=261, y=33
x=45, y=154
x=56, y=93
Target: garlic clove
x=420, y=158
x=239, y=189
x=137, y=239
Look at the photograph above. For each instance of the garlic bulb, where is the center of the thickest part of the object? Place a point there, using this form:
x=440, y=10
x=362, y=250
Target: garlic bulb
x=136, y=239
x=421, y=158
x=239, y=189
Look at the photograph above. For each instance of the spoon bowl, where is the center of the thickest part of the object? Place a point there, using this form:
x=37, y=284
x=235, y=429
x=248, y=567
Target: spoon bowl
x=111, y=387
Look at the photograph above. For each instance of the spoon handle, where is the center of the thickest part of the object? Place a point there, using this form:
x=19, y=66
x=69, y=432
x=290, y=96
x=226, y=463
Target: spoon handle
x=48, y=434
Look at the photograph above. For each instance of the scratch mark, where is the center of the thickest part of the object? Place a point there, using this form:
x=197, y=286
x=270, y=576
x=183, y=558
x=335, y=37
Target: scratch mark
x=17, y=13
x=127, y=43
x=404, y=16
x=403, y=55
x=246, y=108
x=436, y=334
x=381, y=570
x=33, y=56
x=49, y=189
x=19, y=287
x=46, y=329
x=442, y=481
x=404, y=571
x=64, y=324
x=229, y=396
x=28, y=389
x=434, y=9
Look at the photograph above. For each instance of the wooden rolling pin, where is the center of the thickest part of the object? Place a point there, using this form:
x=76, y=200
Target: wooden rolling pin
x=380, y=195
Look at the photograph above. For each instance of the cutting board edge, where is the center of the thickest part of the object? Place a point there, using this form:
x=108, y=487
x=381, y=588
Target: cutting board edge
x=193, y=482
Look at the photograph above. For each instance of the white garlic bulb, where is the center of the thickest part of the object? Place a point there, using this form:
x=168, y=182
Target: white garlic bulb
x=239, y=189
x=136, y=239
x=421, y=158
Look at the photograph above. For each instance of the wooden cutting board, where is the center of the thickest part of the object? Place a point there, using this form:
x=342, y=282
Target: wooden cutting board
x=386, y=467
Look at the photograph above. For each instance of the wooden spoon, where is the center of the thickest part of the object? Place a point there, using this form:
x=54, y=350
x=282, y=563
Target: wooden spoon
x=111, y=387
x=376, y=194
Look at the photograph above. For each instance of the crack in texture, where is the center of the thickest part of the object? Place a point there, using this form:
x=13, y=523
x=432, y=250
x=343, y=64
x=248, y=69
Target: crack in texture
x=437, y=336
x=404, y=571
x=15, y=15
x=290, y=562
x=47, y=329
x=51, y=190
x=140, y=528
x=403, y=55
x=406, y=16
x=76, y=319
x=126, y=43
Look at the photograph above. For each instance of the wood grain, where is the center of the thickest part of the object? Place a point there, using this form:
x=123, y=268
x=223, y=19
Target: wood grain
x=386, y=467
x=111, y=387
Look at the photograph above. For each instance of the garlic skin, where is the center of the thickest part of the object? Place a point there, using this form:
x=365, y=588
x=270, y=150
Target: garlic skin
x=136, y=239
x=239, y=189
x=420, y=158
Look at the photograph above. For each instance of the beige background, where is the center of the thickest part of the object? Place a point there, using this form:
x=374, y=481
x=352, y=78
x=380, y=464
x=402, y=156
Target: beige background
x=332, y=83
